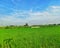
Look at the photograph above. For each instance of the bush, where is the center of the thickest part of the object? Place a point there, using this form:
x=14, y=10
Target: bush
x=6, y=27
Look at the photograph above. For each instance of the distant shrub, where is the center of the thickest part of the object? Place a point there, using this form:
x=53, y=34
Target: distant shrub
x=10, y=27
x=54, y=24
x=58, y=24
x=6, y=27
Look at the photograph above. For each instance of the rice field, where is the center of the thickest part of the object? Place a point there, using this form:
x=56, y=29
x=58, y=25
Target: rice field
x=43, y=37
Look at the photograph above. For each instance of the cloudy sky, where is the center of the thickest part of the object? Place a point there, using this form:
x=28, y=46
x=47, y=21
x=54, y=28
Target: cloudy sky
x=19, y=12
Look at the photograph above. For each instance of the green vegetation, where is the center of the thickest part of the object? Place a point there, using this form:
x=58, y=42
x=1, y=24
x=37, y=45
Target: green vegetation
x=27, y=37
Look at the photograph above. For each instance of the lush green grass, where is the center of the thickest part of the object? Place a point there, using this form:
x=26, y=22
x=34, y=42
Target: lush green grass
x=43, y=37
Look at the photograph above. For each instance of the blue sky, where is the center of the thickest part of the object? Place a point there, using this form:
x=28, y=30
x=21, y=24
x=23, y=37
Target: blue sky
x=16, y=12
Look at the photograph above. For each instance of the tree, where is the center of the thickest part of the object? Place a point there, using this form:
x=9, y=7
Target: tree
x=26, y=24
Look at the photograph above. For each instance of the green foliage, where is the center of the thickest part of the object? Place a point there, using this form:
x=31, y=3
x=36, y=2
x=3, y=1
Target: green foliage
x=43, y=37
x=6, y=27
x=9, y=43
x=26, y=24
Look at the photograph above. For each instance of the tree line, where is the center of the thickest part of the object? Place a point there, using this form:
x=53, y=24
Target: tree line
x=27, y=25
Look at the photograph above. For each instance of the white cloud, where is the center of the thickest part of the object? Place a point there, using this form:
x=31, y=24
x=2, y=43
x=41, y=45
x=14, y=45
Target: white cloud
x=55, y=7
x=51, y=15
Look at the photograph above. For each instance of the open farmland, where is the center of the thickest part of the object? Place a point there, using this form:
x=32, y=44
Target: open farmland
x=43, y=37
